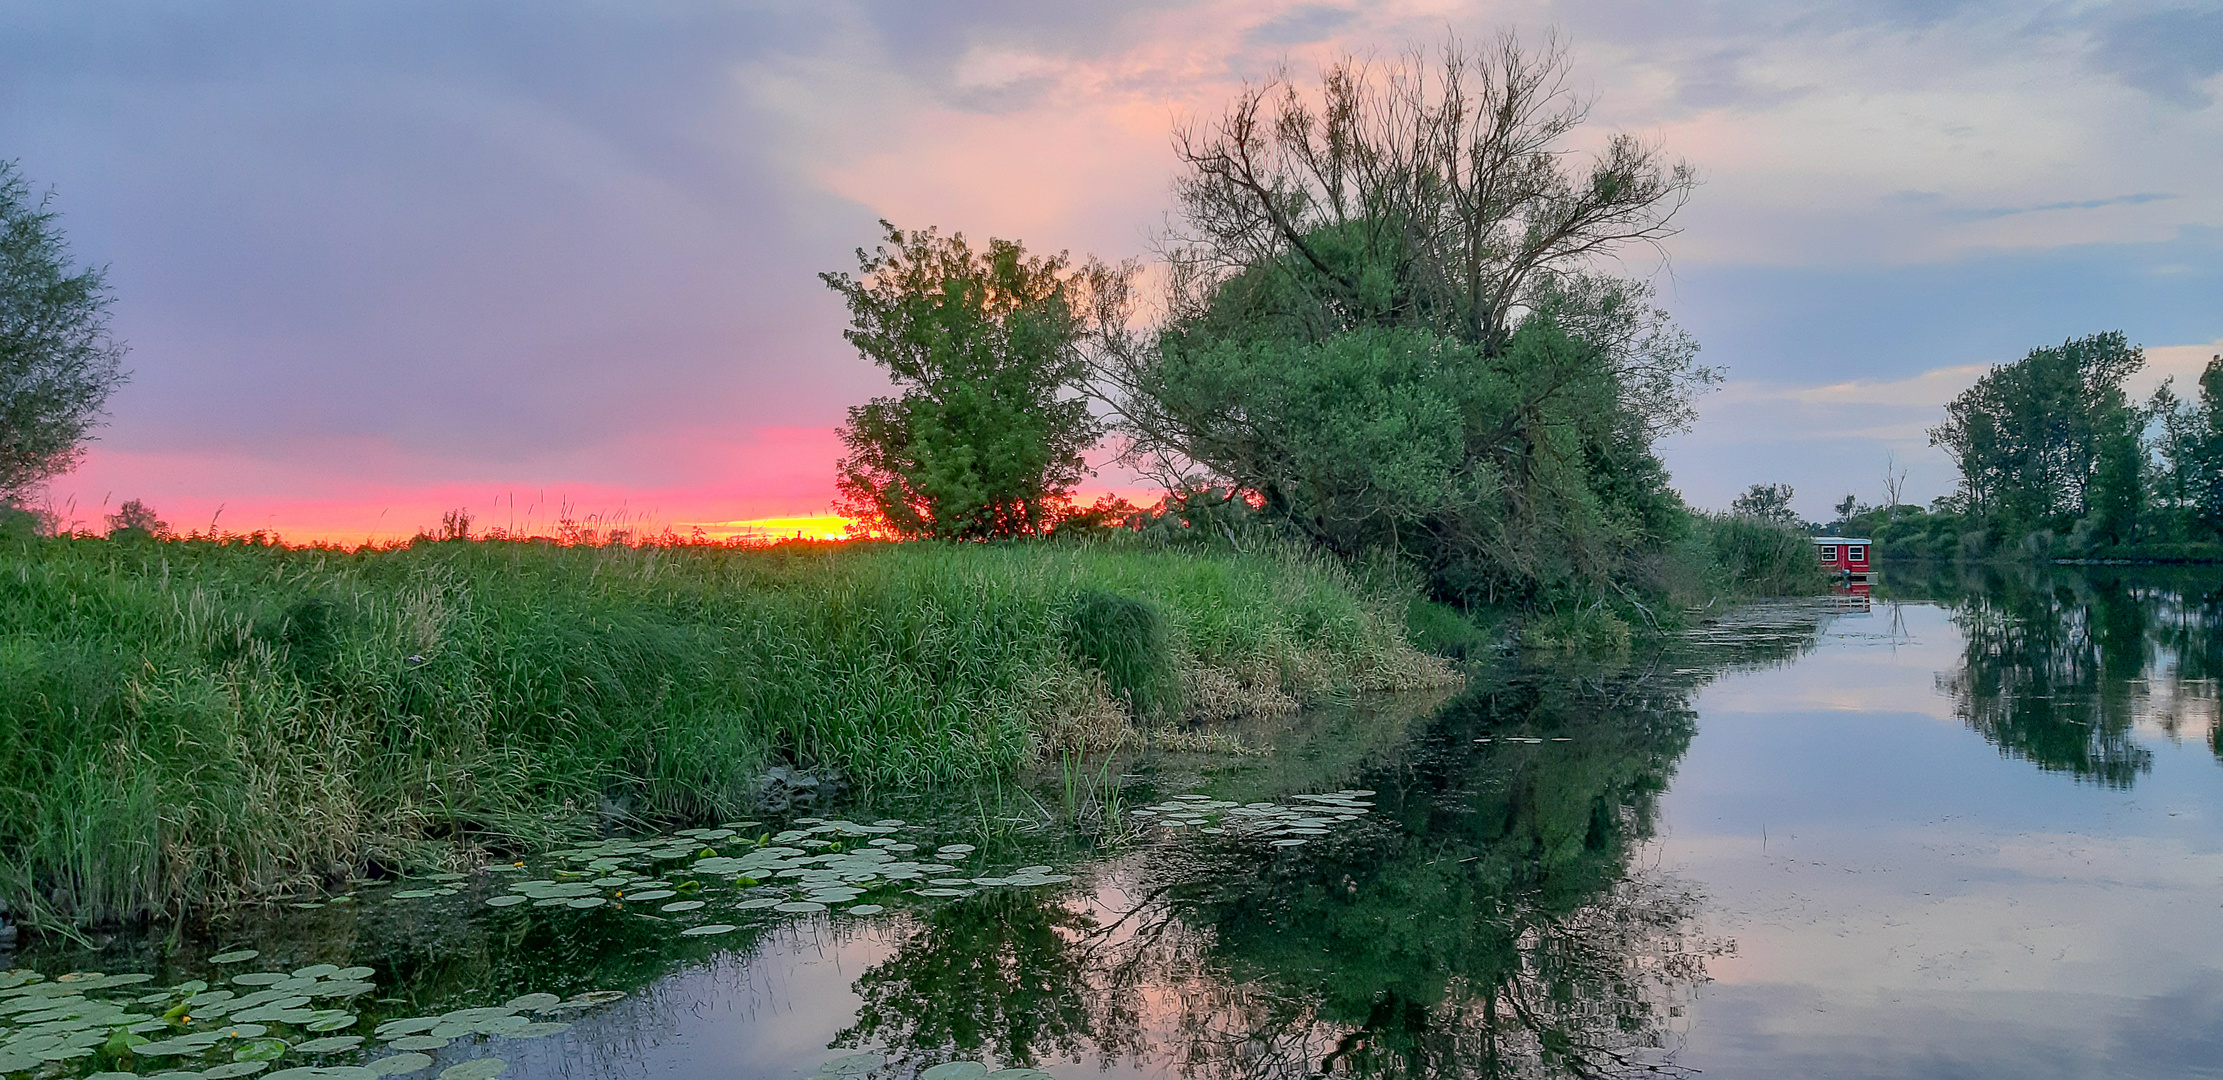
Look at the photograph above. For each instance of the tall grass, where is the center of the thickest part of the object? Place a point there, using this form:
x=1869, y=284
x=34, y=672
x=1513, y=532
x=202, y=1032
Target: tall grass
x=195, y=720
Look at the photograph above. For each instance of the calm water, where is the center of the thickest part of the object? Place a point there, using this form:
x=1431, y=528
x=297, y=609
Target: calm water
x=1970, y=831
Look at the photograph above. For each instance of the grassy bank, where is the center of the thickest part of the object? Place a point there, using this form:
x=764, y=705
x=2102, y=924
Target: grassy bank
x=188, y=721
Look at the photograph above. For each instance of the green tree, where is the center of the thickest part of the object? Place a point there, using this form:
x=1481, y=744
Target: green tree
x=58, y=363
x=1767, y=502
x=986, y=438
x=2049, y=441
x=136, y=520
x=2188, y=454
x=1380, y=324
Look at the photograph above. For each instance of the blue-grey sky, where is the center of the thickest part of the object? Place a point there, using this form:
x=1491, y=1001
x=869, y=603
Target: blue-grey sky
x=378, y=259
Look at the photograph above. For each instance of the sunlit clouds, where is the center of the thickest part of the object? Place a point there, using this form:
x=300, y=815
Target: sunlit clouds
x=378, y=263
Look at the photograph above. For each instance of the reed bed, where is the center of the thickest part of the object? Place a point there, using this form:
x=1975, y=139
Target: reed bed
x=192, y=721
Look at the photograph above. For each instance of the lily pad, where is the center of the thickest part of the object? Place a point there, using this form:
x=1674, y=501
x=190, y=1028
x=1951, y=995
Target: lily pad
x=316, y=971
x=681, y=905
x=506, y=900
x=330, y=1044
x=328, y=1072
x=531, y=1002
x=593, y=997
x=535, y=1031
x=400, y=1065
x=867, y=909
x=332, y=1023
x=651, y=894
x=236, y=956
x=475, y=1069
x=236, y=1068
x=710, y=929
x=259, y=978
x=581, y=902
x=751, y=903
x=417, y=1042
x=354, y=973
x=956, y=1070
x=260, y=1050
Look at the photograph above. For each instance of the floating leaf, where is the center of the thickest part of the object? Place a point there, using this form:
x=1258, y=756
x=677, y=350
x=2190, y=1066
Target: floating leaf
x=475, y=1069
x=417, y=1042
x=534, y=1031
x=712, y=928
x=956, y=1070
x=332, y=1023
x=259, y=978
x=751, y=903
x=408, y=1026
x=330, y=1044
x=353, y=974
x=681, y=905
x=317, y=971
x=260, y=1050
x=532, y=1002
x=593, y=997
x=583, y=902
x=867, y=909
x=328, y=1072
x=400, y=1065
x=651, y=894
x=236, y=956
x=236, y=1068
x=506, y=900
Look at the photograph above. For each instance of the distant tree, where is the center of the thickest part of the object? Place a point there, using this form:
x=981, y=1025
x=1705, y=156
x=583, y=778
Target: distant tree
x=2049, y=440
x=987, y=436
x=58, y=363
x=1767, y=502
x=2188, y=451
x=137, y=519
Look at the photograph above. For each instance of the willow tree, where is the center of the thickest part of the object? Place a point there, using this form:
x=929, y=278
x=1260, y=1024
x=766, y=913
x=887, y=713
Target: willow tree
x=58, y=363
x=1386, y=319
x=985, y=438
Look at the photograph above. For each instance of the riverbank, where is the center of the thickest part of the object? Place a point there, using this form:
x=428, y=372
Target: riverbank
x=199, y=721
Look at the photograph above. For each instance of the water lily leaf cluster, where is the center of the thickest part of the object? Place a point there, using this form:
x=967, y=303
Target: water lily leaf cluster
x=255, y=1020
x=1291, y=823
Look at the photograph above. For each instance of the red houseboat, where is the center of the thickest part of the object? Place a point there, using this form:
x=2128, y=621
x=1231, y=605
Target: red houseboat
x=1845, y=557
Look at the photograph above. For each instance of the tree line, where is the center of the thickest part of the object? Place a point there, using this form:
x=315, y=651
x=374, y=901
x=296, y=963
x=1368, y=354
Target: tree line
x=1382, y=329
x=2057, y=460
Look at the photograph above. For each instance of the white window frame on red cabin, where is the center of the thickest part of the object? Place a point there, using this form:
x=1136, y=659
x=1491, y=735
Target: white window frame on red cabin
x=1829, y=552
x=1856, y=553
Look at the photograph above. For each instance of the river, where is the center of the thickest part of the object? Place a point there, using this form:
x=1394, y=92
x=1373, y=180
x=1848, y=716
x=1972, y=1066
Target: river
x=1964, y=828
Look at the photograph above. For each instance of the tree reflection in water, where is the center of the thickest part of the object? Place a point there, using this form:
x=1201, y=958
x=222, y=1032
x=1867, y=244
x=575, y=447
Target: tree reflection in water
x=1484, y=921
x=2060, y=664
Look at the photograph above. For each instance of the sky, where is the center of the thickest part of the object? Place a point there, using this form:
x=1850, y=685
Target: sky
x=375, y=261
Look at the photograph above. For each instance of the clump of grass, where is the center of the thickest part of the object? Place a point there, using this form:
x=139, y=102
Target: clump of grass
x=1745, y=556
x=1127, y=642
x=187, y=721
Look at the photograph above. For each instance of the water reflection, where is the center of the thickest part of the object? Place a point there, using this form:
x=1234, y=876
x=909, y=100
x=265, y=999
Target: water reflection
x=2061, y=665
x=1486, y=921
x=1490, y=917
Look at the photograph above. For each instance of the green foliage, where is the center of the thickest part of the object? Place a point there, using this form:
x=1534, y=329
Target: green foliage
x=1754, y=556
x=58, y=363
x=2187, y=487
x=1381, y=326
x=195, y=719
x=2040, y=443
x=1505, y=471
x=1128, y=643
x=1767, y=502
x=986, y=439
